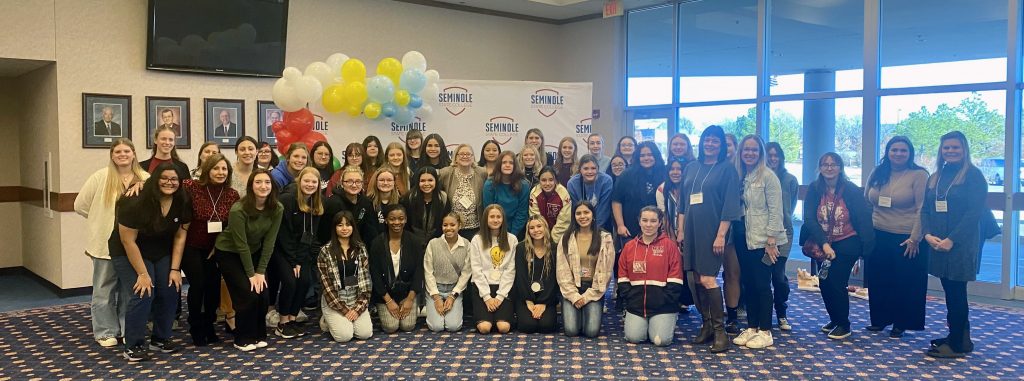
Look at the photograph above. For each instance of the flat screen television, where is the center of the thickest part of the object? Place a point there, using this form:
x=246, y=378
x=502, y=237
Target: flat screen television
x=234, y=37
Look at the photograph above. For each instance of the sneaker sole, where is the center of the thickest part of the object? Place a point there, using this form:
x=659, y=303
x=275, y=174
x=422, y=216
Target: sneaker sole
x=834, y=337
x=132, y=359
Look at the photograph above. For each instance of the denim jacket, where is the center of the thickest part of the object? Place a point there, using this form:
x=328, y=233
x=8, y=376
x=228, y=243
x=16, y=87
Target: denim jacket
x=762, y=210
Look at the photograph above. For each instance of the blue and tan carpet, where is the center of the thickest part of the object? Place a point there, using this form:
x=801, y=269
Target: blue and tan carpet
x=55, y=343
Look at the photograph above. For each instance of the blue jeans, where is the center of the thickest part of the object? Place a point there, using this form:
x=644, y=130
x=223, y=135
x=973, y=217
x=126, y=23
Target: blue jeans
x=587, y=319
x=161, y=303
x=109, y=302
x=659, y=328
x=452, y=321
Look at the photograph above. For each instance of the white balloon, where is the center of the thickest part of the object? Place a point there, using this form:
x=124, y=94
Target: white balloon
x=425, y=111
x=321, y=71
x=432, y=77
x=414, y=60
x=308, y=89
x=335, y=61
x=429, y=94
x=284, y=96
x=291, y=73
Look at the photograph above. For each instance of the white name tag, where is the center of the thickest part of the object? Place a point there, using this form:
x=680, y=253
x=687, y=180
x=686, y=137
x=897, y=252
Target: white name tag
x=885, y=202
x=941, y=206
x=214, y=227
x=697, y=198
x=465, y=202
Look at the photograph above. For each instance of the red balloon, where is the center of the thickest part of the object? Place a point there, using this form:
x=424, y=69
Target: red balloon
x=299, y=122
x=285, y=138
x=277, y=127
x=312, y=137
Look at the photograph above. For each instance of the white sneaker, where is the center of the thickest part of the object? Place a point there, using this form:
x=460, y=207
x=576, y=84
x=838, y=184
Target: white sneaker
x=273, y=318
x=246, y=348
x=107, y=342
x=745, y=337
x=261, y=344
x=301, y=317
x=761, y=339
x=784, y=324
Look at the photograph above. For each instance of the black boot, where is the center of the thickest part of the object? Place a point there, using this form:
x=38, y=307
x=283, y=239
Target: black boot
x=721, y=338
x=706, y=333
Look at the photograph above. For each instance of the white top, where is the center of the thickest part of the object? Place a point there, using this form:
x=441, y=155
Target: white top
x=99, y=216
x=396, y=260
x=482, y=265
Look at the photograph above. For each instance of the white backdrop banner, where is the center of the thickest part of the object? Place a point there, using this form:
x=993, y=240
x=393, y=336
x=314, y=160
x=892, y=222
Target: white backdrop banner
x=472, y=111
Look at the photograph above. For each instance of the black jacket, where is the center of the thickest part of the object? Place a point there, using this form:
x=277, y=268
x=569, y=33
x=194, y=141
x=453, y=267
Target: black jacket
x=417, y=210
x=550, y=294
x=294, y=224
x=382, y=272
x=860, y=216
x=362, y=210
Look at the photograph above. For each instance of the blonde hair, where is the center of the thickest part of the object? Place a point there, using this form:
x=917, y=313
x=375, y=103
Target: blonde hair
x=760, y=169
x=375, y=195
x=455, y=160
x=315, y=205
x=114, y=188
x=538, y=163
x=546, y=241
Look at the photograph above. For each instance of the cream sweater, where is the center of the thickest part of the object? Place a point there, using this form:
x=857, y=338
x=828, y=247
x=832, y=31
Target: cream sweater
x=99, y=216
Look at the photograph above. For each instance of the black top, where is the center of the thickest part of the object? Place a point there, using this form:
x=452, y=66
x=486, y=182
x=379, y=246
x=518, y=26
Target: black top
x=297, y=237
x=549, y=293
x=635, y=189
x=961, y=222
x=382, y=271
x=155, y=237
x=424, y=219
x=362, y=210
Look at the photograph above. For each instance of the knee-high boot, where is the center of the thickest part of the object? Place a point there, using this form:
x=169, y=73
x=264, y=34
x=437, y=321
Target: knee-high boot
x=713, y=298
x=706, y=332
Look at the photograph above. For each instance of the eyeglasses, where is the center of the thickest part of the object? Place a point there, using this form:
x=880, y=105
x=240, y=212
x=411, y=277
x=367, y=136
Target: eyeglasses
x=352, y=182
x=465, y=154
x=617, y=165
x=169, y=179
x=829, y=165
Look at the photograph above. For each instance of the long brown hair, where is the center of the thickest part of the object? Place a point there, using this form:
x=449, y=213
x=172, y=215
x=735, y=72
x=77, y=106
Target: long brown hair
x=174, y=147
x=530, y=242
x=249, y=200
x=486, y=237
x=354, y=241
x=515, y=180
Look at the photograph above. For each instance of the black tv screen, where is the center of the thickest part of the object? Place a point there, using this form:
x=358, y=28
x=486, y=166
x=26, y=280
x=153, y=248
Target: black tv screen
x=237, y=37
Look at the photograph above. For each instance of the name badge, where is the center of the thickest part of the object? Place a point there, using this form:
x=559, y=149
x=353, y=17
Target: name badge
x=495, y=275
x=941, y=206
x=586, y=272
x=535, y=287
x=214, y=227
x=885, y=202
x=465, y=202
x=697, y=198
x=640, y=267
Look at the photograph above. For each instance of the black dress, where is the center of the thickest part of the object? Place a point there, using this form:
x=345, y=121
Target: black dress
x=720, y=187
x=548, y=293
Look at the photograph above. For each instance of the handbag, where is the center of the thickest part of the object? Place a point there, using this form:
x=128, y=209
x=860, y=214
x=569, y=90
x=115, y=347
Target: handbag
x=810, y=248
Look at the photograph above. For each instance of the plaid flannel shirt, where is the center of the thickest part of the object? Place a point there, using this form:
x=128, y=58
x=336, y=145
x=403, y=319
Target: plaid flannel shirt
x=339, y=298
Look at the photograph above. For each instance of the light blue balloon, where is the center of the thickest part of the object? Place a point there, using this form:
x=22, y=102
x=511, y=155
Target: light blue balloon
x=413, y=80
x=403, y=116
x=380, y=89
x=388, y=109
x=415, y=101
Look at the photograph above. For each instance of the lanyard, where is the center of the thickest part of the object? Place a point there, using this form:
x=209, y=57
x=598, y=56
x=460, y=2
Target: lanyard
x=705, y=177
x=937, y=182
x=215, y=202
x=830, y=211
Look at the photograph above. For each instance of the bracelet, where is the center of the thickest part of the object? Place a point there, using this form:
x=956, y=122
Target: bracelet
x=178, y=270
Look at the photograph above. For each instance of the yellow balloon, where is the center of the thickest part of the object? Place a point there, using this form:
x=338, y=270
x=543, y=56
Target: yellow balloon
x=353, y=70
x=333, y=99
x=372, y=110
x=390, y=67
x=402, y=97
x=354, y=110
x=355, y=93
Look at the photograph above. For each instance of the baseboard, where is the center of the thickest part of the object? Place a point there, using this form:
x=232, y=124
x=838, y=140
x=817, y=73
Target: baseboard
x=60, y=292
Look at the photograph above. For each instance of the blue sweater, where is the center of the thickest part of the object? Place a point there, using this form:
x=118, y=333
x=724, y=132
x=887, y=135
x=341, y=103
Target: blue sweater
x=281, y=176
x=599, y=193
x=516, y=205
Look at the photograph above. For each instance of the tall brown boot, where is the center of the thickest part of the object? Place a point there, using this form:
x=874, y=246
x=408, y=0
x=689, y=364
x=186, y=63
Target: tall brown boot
x=706, y=333
x=713, y=298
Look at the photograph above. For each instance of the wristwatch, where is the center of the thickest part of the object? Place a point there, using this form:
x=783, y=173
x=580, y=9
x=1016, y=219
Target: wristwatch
x=455, y=295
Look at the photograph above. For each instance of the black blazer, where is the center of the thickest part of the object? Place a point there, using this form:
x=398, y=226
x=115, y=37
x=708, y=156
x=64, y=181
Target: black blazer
x=860, y=216
x=181, y=168
x=228, y=131
x=410, y=271
x=416, y=209
x=100, y=129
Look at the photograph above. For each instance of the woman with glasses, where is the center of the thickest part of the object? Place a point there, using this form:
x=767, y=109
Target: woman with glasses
x=897, y=274
x=265, y=158
x=463, y=181
x=626, y=148
x=347, y=195
x=950, y=220
x=617, y=166
x=837, y=220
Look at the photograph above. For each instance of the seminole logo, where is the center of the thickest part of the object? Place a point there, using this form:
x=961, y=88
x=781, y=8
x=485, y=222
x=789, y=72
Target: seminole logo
x=400, y=130
x=319, y=123
x=584, y=127
x=501, y=129
x=455, y=99
x=547, y=101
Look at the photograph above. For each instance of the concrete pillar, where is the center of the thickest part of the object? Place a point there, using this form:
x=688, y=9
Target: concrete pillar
x=819, y=133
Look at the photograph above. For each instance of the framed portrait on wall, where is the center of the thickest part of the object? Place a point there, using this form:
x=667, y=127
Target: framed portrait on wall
x=172, y=113
x=105, y=117
x=225, y=121
x=268, y=115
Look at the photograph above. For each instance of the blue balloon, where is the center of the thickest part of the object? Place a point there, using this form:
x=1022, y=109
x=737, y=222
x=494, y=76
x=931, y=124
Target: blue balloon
x=415, y=101
x=413, y=80
x=403, y=116
x=388, y=109
x=380, y=89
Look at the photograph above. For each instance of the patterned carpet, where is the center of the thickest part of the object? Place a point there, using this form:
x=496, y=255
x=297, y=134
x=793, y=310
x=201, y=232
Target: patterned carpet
x=55, y=343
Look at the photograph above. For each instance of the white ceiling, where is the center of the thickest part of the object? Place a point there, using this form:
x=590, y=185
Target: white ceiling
x=558, y=10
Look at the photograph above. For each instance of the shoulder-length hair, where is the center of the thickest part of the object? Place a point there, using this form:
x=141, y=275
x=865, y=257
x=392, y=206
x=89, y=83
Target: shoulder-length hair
x=515, y=179
x=291, y=149
x=413, y=134
x=174, y=147
x=353, y=148
x=207, y=166
x=443, y=158
x=375, y=195
x=760, y=170
x=940, y=162
x=574, y=227
x=483, y=162
x=199, y=157
x=274, y=160
x=782, y=157
x=880, y=176
x=531, y=252
x=249, y=200
x=374, y=163
x=113, y=189
x=609, y=169
x=819, y=182
x=713, y=131
x=330, y=151
x=314, y=204
x=455, y=161
x=417, y=194
x=487, y=237
x=618, y=149
x=688, y=156
x=354, y=242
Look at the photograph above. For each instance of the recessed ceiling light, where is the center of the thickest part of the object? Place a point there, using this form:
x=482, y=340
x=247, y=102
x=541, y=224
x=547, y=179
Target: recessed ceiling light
x=559, y=3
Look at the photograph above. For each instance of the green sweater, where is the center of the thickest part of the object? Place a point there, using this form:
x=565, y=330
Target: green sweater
x=244, y=235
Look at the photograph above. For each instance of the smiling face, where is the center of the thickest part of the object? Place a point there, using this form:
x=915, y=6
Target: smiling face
x=264, y=156
x=675, y=172
x=207, y=152
x=122, y=155
x=899, y=154
x=246, y=152
x=828, y=167
x=297, y=160
x=427, y=183
x=547, y=181
x=262, y=185
x=588, y=171
x=646, y=157
x=494, y=219
x=952, y=151
x=165, y=142
x=491, y=152
x=626, y=147
x=584, y=216
x=432, y=149
x=396, y=221
x=529, y=158
x=414, y=143
x=225, y=117
x=108, y=114
x=385, y=182
x=344, y=228
x=618, y=166
x=322, y=156
x=773, y=159
x=534, y=140
x=396, y=156
x=219, y=172
x=372, y=149
x=649, y=224
x=450, y=227
x=568, y=150
x=751, y=153
x=678, y=147
x=536, y=229
x=169, y=182
x=464, y=156
x=309, y=183
x=353, y=183
x=595, y=145
x=712, y=146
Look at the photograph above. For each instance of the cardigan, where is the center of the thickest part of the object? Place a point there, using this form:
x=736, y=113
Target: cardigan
x=563, y=216
x=99, y=217
x=382, y=271
x=569, y=272
x=961, y=223
x=860, y=216
x=448, y=180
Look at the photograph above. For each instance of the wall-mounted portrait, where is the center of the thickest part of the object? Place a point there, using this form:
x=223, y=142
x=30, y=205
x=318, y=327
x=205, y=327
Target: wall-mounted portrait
x=225, y=121
x=105, y=117
x=269, y=114
x=170, y=112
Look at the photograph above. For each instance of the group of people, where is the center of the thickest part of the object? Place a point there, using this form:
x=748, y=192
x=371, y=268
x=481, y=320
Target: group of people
x=509, y=240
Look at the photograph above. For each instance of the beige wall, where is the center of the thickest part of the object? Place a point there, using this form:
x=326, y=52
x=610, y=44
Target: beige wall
x=107, y=55
x=29, y=31
x=10, y=172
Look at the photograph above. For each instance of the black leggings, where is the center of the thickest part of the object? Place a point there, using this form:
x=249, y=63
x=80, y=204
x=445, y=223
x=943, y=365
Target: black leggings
x=957, y=314
x=833, y=288
x=292, y=290
x=250, y=307
x=527, y=324
x=203, y=292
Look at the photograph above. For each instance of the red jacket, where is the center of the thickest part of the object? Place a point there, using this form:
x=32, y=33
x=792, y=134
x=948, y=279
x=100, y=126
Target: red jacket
x=651, y=276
